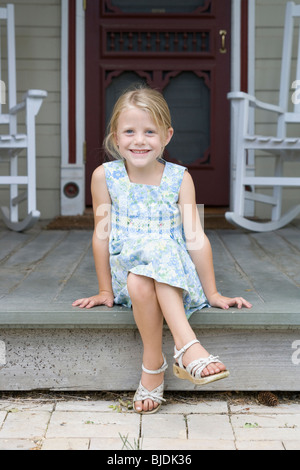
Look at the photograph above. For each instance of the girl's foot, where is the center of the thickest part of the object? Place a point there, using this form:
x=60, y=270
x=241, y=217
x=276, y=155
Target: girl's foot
x=193, y=363
x=151, y=381
x=195, y=352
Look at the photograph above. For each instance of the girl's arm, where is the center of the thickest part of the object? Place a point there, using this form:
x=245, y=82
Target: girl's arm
x=101, y=208
x=199, y=247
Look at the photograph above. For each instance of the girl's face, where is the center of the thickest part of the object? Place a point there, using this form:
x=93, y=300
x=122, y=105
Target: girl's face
x=139, y=140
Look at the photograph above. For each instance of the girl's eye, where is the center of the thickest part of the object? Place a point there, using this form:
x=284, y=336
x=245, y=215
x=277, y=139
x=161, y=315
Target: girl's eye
x=150, y=132
x=129, y=131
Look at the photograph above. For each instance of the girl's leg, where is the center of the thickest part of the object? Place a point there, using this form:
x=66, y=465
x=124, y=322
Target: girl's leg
x=149, y=320
x=171, y=304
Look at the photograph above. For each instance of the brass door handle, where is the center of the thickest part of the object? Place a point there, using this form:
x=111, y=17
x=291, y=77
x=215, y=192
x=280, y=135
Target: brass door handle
x=223, y=33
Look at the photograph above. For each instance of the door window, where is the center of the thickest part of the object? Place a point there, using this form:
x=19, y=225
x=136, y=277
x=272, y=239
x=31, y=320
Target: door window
x=188, y=97
x=157, y=6
x=117, y=86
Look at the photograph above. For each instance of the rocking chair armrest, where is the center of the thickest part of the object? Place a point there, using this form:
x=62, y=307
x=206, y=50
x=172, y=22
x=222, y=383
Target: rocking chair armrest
x=240, y=95
x=35, y=94
x=40, y=94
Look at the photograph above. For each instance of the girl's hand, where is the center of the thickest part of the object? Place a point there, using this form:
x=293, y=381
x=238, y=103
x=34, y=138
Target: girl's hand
x=104, y=298
x=217, y=300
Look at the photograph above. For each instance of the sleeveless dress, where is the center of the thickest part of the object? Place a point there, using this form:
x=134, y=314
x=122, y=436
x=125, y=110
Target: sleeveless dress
x=147, y=235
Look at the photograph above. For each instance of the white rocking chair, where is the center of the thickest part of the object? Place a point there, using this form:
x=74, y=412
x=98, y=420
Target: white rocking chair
x=13, y=143
x=282, y=147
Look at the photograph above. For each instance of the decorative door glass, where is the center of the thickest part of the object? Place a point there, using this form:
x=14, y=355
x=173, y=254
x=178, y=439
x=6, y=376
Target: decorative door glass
x=116, y=88
x=157, y=6
x=188, y=97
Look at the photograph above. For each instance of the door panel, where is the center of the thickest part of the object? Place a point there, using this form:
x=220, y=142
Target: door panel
x=116, y=87
x=188, y=97
x=178, y=51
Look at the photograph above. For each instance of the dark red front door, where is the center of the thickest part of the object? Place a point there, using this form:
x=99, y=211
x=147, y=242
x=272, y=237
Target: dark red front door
x=181, y=48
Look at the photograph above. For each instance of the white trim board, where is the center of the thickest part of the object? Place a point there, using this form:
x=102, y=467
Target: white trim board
x=74, y=173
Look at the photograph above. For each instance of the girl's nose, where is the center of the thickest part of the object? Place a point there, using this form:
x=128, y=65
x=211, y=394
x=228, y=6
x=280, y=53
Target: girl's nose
x=139, y=139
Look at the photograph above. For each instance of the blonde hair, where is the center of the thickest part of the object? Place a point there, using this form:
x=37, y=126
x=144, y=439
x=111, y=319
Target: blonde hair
x=141, y=97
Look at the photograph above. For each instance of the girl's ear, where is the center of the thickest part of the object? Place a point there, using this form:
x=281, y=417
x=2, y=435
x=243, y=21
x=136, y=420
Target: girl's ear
x=169, y=135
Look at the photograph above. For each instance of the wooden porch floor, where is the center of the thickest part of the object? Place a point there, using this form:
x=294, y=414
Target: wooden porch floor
x=43, y=271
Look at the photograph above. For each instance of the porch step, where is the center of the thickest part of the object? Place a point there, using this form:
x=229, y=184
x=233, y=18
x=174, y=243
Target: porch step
x=45, y=343
x=35, y=315
x=84, y=358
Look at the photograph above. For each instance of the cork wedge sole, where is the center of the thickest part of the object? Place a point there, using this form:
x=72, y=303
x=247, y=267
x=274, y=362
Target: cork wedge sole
x=183, y=374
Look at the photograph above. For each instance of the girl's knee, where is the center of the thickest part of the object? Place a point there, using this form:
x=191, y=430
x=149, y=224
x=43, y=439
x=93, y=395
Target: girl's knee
x=141, y=287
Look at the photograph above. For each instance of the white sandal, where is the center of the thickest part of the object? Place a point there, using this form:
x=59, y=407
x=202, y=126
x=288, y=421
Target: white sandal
x=155, y=395
x=194, y=370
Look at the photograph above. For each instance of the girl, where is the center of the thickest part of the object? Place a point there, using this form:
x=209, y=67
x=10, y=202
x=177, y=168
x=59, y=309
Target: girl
x=149, y=248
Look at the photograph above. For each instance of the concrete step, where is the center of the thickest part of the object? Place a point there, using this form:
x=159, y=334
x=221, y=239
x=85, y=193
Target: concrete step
x=45, y=343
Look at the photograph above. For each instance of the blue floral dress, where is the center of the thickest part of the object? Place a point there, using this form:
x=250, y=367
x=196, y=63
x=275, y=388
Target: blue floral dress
x=147, y=235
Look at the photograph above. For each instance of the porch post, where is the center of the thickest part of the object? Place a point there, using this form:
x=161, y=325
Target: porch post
x=72, y=187
x=236, y=45
x=250, y=205
x=236, y=66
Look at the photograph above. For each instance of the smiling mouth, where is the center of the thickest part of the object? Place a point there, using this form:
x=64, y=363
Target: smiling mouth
x=139, y=152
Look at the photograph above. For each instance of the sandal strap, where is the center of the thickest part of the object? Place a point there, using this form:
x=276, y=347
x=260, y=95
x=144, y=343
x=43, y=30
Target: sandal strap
x=155, y=395
x=158, y=371
x=184, y=349
x=196, y=367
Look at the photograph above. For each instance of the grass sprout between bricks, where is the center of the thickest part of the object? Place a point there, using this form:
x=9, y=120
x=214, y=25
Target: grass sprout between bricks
x=137, y=443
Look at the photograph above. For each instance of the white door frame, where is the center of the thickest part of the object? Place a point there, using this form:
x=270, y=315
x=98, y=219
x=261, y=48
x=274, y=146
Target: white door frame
x=75, y=172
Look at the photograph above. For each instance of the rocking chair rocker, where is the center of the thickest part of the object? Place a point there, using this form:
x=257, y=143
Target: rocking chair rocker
x=282, y=147
x=13, y=143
